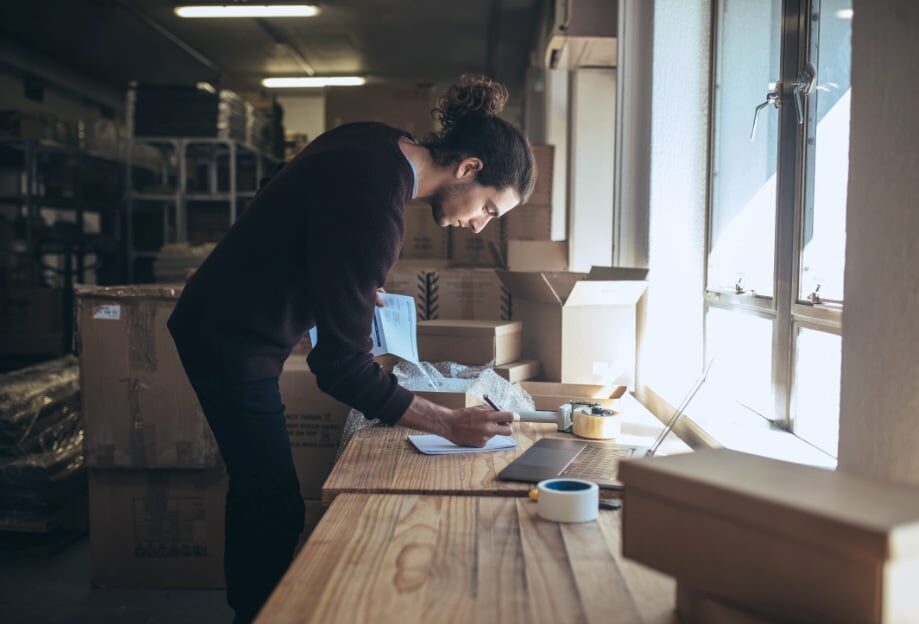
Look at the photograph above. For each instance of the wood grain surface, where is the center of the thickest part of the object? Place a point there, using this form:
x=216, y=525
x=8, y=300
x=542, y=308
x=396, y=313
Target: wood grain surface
x=382, y=460
x=409, y=558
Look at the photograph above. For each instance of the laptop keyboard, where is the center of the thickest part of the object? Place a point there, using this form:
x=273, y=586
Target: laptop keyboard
x=597, y=462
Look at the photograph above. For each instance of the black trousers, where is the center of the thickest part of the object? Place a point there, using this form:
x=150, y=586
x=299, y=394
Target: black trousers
x=264, y=510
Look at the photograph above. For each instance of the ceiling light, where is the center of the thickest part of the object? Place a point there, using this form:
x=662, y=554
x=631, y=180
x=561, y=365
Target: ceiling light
x=313, y=81
x=247, y=10
x=844, y=13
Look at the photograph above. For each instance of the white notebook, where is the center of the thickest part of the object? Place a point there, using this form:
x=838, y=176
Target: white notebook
x=436, y=445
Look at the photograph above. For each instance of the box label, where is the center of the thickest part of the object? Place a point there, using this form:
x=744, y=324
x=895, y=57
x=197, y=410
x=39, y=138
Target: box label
x=107, y=312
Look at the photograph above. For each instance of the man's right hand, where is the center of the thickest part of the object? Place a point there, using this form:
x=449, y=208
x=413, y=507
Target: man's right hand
x=471, y=426
x=474, y=426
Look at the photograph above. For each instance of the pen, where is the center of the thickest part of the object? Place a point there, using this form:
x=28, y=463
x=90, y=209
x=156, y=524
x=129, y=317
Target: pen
x=491, y=404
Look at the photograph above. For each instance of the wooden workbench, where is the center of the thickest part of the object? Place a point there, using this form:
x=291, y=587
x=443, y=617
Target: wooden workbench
x=403, y=558
x=381, y=460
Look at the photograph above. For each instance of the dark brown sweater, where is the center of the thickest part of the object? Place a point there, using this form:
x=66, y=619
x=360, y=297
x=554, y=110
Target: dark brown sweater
x=311, y=249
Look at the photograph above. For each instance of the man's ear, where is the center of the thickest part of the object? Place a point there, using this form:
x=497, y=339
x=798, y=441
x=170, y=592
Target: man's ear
x=468, y=168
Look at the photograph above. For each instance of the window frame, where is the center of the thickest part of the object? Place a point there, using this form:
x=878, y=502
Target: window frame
x=785, y=308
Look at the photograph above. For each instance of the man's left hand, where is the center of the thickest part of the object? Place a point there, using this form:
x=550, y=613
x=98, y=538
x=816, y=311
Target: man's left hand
x=380, y=291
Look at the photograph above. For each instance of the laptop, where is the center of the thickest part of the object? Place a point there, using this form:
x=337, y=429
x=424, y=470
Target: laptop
x=570, y=457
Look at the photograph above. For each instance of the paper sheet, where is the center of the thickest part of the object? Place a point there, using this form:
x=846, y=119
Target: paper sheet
x=436, y=445
x=395, y=328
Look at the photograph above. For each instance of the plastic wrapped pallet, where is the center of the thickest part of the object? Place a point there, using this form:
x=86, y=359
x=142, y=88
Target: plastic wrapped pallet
x=41, y=443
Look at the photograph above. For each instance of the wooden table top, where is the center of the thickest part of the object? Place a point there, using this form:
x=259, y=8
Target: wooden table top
x=410, y=558
x=381, y=460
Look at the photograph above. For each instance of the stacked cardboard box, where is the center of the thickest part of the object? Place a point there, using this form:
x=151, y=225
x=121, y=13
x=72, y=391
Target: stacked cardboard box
x=781, y=541
x=528, y=228
x=407, y=107
x=157, y=482
x=424, y=238
x=451, y=293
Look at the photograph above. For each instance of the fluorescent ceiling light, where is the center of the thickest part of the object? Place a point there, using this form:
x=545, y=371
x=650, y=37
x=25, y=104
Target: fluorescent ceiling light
x=844, y=13
x=247, y=10
x=313, y=81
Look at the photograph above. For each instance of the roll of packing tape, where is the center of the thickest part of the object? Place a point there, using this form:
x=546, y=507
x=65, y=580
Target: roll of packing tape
x=600, y=424
x=568, y=500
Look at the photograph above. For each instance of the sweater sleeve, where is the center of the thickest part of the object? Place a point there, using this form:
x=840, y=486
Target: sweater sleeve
x=343, y=292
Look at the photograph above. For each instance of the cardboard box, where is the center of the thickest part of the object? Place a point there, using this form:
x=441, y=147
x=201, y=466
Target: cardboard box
x=791, y=542
x=424, y=237
x=407, y=107
x=469, y=342
x=545, y=157
x=548, y=395
x=451, y=400
x=531, y=222
x=468, y=294
x=412, y=278
x=515, y=372
x=526, y=255
x=582, y=328
x=139, y=409
x=32, y=321
x=315, y=424
x=157, y=528
x=483, y=249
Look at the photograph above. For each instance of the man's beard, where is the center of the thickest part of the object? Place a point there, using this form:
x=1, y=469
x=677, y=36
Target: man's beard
x=442, y=195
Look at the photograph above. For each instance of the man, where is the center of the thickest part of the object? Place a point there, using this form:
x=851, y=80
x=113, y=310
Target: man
x=313, y=248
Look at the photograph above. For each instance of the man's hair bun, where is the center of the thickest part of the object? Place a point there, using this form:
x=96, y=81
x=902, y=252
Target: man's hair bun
x=471, y=96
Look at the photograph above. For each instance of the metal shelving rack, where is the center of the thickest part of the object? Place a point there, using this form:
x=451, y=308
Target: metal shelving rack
x=177, y=156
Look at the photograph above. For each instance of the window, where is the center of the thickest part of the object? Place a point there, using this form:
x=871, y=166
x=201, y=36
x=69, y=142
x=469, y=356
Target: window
x=777, y=198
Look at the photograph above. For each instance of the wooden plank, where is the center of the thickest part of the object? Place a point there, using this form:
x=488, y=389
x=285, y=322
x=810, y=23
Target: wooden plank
x=379, y=460
x=408, y=558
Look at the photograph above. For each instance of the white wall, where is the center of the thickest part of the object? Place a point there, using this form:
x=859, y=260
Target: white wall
x=592, y=141
x=304, y=114
x=671, y=317
x=879, y=425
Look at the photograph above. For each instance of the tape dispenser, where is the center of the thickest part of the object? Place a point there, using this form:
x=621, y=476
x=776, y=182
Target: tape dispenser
x=586, y=420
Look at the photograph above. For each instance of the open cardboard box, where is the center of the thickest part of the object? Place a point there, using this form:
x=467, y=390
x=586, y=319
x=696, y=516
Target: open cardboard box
x=548, y=395
x=581, y=327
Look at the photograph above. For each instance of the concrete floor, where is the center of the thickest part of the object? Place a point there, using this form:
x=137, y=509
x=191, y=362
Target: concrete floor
x=46, y=579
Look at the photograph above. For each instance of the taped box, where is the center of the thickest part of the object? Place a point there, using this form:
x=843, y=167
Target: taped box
x=788, y=542
x=157, y=528
x=580, y=327
x=139, y=410
x=469, y=342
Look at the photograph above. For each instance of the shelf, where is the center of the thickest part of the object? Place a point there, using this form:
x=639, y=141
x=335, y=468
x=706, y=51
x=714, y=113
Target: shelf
x=153, y=196
x=63, y=203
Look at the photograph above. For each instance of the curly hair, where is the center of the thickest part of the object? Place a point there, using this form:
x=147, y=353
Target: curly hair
x=470, y=127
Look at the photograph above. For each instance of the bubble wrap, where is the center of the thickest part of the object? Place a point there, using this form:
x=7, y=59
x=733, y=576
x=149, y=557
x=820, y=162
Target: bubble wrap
x=448, y=377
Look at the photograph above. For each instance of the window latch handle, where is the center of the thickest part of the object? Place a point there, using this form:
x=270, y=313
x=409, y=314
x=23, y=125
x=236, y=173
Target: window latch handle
x=802, y=87
x=772, y=97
